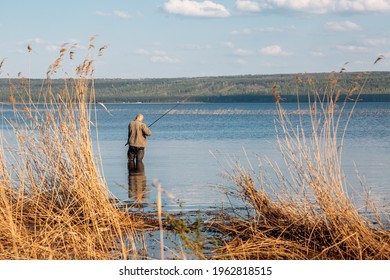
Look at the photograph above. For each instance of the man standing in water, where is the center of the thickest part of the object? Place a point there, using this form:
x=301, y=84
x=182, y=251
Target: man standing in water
x=136, y=139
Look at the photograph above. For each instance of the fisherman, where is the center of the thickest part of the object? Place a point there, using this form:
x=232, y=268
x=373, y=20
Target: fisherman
x=136, y=139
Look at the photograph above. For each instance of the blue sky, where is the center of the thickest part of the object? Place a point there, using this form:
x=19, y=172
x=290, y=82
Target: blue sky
x=188, y=38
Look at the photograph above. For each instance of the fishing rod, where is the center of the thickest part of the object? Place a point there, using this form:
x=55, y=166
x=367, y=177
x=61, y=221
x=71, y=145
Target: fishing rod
x=159, y=118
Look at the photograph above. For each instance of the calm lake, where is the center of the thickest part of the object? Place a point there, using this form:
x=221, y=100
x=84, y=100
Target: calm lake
x=193, y=145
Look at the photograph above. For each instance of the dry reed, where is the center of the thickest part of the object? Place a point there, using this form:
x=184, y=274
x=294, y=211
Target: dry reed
x=54, y=202
x=303, y=210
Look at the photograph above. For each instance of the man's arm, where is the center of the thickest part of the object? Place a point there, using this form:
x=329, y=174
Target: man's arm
x=146, y=131
x=128, y=135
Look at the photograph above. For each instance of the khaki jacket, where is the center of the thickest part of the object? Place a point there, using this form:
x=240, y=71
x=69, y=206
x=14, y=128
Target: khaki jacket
x=137, y=134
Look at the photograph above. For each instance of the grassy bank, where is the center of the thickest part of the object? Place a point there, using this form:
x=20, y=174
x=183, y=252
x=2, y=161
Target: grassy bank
x=54, y=203
x=302, y=210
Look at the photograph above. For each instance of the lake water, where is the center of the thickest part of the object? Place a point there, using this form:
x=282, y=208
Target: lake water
x=193, y=145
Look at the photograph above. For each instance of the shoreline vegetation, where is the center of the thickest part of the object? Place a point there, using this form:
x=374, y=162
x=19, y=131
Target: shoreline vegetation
x=224, y=89
x=55, y=204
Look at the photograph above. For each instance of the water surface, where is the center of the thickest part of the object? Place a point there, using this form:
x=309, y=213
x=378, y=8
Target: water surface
x=195, y=144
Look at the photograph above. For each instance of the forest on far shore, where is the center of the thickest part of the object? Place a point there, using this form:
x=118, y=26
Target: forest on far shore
x=374, y=86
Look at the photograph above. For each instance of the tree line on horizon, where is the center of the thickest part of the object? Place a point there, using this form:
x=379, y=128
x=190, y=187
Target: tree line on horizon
x=244, y=88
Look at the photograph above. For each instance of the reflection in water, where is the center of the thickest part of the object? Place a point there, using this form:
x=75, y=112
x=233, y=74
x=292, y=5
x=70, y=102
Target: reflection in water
x=137, y=181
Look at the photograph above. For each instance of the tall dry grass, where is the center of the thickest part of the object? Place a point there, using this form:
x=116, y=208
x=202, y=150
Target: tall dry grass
x=54, y=202
x=302, y=209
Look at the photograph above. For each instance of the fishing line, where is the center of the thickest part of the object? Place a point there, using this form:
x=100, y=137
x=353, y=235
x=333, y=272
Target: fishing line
x=159, y=118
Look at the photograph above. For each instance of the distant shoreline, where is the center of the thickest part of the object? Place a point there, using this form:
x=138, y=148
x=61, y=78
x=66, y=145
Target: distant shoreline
x=383, y=99
x=220, y=89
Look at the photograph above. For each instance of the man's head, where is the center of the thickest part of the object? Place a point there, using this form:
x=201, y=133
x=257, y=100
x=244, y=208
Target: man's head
x=140, y=117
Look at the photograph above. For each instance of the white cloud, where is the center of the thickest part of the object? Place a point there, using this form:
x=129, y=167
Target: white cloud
x=342, y=26
x=269, y=29
x=196, y=47
x=102, y=14
x=240, y=61
x=141, y=52
x=317, y=54
x=243, y=52
x=250, y=6
x=274, y=50
x=163, y=59
x=157, y=56
x=375, y=41
x=116, y=13
x=36, y=40
x=228, y=44
x=316, y=6
x=159, y=53
x=363, y=5
x=52, y=48
x=245, y=31
x=248, y=31
x=304, y=5
x=195, y=9
x=352, y=48
x=121, y=14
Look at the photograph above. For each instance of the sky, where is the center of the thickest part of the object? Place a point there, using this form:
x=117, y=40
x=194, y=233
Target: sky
x=188, y=38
